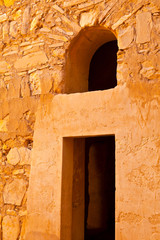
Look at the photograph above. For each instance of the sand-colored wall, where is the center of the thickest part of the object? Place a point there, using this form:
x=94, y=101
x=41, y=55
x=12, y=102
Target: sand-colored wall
x=133, y=120
x=35, y=40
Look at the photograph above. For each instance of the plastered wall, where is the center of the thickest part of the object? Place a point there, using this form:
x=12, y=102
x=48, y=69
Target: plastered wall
x=137, y=160
x=34, y=41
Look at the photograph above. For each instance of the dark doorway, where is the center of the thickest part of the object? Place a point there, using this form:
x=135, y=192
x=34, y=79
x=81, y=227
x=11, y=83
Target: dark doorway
x=88, y=188
x=103, y=67
x=100, y=188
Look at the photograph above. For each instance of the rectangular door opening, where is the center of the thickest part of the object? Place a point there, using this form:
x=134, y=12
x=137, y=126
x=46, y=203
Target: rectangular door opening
x=88, y=189
x=100, y=188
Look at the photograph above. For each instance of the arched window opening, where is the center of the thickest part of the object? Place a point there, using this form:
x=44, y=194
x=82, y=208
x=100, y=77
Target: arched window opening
x=91, y=61
x=103, y=67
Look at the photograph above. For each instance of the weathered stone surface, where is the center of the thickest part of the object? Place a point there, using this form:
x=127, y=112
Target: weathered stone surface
x=0, y=226
x=25, y=90
x=11, y=212
x=4, y=124
x=125, y=37
x=3, y=17
x=13, y=29
x=33, y=33
x=18, y=171
x=63, y=31
x=23, y=213
x=8, y=3
x=155, y=219
x=125, y=16
x=58, y=78
x=10, y=228
x=148, y=70
x=121, y=20
x=143, y=27
x=57, y=8
x=1, y=200
x=14, y=88
x=17, y=14
x=1, y=154
x=3, y=93
x=58, y=37
x=13, y=156
x=156, y=24
x=71, y=24
x=88, y=19
x=46, y=82
x=30, y=61
x=35, y=22
x=122, y=69
x=40, y=82
x=4, y=66
x=155, y=236
x=25, y=156
x=22, y=235
x=86, y=5
x=25, y=20
x=35, y=84
x=5, y=31
x=103, y=13
x=72, y=3
x=14, y=192
x=60, y=53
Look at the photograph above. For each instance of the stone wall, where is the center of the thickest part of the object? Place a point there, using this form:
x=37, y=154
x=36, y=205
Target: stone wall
x=15, y=168
x=35, y=34
x=16, y=134
x=34, y=39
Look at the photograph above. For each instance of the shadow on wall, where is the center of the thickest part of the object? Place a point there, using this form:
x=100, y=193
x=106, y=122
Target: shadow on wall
x=41, y=236
x=79, y=55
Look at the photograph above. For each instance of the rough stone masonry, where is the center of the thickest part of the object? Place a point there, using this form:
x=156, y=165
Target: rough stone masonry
x=35, y=112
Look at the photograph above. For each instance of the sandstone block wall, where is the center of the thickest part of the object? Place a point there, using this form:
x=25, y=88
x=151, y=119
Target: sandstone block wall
x=34, y=40
x=14, y=175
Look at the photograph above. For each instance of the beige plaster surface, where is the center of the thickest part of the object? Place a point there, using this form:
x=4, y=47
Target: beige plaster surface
x=128, y=111
x=46, y=48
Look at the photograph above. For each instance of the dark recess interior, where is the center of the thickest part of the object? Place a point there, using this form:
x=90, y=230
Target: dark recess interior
x=100, y=188
x=103, y=67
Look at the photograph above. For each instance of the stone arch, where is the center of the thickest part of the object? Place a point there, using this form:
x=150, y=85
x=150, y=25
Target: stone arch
x=79, y=55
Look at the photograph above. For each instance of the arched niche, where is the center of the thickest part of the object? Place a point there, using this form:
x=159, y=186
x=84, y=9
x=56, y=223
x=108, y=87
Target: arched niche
x=79, y=56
